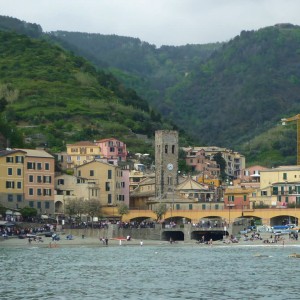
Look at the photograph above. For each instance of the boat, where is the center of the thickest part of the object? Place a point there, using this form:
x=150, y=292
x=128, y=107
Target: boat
x=294, y=255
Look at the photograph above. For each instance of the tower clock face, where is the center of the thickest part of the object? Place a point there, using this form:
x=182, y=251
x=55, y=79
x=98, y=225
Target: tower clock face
x=170, y=167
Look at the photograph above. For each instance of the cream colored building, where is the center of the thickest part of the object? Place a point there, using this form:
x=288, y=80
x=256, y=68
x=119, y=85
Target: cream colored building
x=279, y=187
x=107, y=182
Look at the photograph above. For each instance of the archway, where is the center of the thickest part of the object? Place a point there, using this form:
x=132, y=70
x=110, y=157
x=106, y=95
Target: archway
x=283, y=220
x=59, y=207
x=174, y=236
x=206, y=235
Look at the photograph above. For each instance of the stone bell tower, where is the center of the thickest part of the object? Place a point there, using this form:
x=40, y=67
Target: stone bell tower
x=166, y=161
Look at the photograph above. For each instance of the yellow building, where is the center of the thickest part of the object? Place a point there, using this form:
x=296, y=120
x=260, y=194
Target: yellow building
x=27, y=179
x=81, y=153
x=12, y=178
x=107, y=182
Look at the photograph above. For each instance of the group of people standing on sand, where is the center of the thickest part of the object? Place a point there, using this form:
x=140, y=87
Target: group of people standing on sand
x=104, y=241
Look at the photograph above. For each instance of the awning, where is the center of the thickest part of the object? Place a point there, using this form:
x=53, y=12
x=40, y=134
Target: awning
x=44, y=217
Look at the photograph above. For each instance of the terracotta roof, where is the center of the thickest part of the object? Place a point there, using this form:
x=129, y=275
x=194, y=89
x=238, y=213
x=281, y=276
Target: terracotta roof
x=190, y=184
x=82, y=143
x=107, y=139
x=10, y=151
x=36, y=153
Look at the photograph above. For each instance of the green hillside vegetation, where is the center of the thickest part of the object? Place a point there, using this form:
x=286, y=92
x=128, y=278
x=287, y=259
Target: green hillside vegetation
x=61, y=97
x=149, y=70
x=230, y=95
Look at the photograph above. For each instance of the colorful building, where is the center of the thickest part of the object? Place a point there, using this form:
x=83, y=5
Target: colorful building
x=108, y=183
x=27, y=179
x=113, y=150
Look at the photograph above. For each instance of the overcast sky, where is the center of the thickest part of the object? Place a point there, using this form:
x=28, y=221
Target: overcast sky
x=159, y=22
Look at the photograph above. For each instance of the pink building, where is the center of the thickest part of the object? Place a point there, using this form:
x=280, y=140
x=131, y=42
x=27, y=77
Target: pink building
x=200, y=163
x=251, y=174
x=112, y=149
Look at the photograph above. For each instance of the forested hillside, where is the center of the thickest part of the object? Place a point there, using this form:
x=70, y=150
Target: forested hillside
x=59, y=97
x=229, y=95
x=139, y=65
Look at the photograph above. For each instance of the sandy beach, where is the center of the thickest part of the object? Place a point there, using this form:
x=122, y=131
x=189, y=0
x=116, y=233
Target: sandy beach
x=87, y=241
x=75, y=242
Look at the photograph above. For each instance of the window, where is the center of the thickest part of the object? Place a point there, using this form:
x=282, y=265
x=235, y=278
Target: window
x=10, y=198
x=286, y=199
x=230, y=198
x=30, y=178
x=91, y=172
x=166, y=149
x=19, y=185
x=47, y=166
x=39, y=166
x=203, y=206
x=190, y=206
x=263, y=193
x=79, y=173
x=112, y=149
x=47, y=179
x=78, y=158
x=173, y=149
x=109, y=174
x=30, y=166
x=9, y=171
x=10, y=184
x=107, y=186
x=9, y=159
x=19, y=172
x=39, y=192
x=61, y=182
x=31, y=204
x=39, y=179
x=39, y=205
x=120, y=197
x=284, y=176
x=275, y=190
x=19, y=198
x=47, y=192
x=19, y=159
x=109, y=198
x=245, y=197
x=216, y=206
x=47, y=205
x=30, y=191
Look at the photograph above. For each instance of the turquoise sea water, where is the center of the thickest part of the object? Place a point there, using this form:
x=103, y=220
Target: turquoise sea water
x=150, y=272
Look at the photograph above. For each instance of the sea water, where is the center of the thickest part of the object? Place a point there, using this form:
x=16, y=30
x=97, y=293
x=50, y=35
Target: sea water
x=150, y=272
